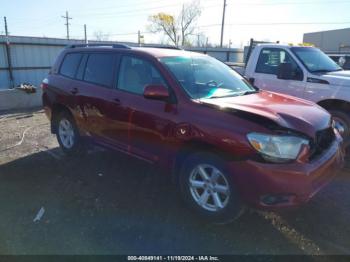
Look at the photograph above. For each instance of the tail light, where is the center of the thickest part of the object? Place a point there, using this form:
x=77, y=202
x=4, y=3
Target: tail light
x=44, y=84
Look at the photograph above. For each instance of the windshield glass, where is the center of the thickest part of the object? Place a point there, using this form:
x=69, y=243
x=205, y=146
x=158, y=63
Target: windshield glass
x=206, y=77
x=315, y=60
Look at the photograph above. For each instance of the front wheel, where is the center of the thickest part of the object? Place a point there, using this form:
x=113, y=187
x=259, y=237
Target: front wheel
x=207, y=187
x=342, y=123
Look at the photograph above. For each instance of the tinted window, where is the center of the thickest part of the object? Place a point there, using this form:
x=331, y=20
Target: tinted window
x=70, y=64
x=81, y=69
x=99, y=69
x=346, y=65
x=271, y=58
x=135, y=74
x=315, y=60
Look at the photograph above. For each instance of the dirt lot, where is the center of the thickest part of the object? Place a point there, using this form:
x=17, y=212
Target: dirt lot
x=108, y=203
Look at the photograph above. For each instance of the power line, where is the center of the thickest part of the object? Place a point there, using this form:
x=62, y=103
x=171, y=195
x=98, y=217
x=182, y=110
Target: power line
x=127, y=12
x=39, y=20
x=279, y=23
x=292, y=3
x=147, y=2
x=67, y=24
x=238, y=24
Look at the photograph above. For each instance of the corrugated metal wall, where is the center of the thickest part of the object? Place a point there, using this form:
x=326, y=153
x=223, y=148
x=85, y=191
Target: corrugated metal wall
x=33, y=56
x=4, y=75
x=222, y=54
x=330, y=41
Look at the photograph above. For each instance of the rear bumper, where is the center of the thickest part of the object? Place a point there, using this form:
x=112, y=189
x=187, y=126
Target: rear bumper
x=291, y=184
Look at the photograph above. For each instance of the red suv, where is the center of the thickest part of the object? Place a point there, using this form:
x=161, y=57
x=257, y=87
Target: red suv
x=223, y=141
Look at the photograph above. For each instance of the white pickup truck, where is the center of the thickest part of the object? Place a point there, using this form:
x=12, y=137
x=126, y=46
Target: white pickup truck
x=304, y=72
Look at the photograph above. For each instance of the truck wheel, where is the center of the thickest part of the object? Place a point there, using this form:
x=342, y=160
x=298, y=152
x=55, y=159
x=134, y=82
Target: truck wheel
x=342, y=122
x=207, y=187
x=67, y=134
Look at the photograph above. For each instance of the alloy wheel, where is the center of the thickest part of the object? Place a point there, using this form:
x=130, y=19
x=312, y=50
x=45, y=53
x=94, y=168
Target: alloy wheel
x=209, y=187
x=66, y=133
x=341, y=126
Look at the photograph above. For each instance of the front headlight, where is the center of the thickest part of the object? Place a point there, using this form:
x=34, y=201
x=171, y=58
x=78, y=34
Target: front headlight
x=277, y=148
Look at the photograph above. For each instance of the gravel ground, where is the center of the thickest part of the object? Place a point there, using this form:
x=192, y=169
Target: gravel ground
x=108, y=203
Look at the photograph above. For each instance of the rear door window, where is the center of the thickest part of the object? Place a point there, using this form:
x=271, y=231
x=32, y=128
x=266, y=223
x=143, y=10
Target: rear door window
x=81, y=69
x=70, y=64
x=136, y=73
x=99, y=69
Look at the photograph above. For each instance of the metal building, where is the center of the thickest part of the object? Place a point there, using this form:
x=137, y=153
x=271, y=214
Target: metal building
x=332, y=41
x=28, y=59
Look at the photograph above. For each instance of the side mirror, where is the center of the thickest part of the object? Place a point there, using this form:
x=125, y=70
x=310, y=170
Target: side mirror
x=285, y=71
x=156, y=92
x=342, y=61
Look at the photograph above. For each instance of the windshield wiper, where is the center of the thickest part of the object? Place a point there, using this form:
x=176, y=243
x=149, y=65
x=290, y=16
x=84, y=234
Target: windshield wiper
x=237, y=94
x=326, y=70
x=250, y=92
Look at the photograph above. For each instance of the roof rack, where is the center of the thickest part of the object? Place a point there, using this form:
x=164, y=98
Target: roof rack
x=99, y=45
x=162, y=46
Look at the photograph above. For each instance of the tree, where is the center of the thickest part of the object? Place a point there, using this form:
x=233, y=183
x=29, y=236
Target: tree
x=188, y=16
x=100, y=36
x=162, y=22
x=177, y=29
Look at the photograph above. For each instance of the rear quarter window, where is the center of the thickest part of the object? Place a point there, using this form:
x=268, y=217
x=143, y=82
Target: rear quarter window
x=70, y=64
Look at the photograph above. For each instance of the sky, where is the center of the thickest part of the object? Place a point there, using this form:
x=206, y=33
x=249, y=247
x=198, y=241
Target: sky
x=265, y=20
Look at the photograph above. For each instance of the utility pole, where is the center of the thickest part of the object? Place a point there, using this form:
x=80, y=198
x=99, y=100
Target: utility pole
x=67, y=24
x=8, y=54
x=6, y=30
x=139, y=38
x=206, y=45
x=85, y=35
x=223, y=23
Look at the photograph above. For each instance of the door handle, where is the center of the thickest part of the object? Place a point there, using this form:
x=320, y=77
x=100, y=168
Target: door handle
x=116, y=101
x=74, y=91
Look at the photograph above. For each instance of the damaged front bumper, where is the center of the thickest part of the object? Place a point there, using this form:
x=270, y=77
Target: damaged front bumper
x=274, y=186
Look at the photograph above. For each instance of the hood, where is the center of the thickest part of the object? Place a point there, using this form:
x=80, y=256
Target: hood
x=338, y=77
x=286, y=111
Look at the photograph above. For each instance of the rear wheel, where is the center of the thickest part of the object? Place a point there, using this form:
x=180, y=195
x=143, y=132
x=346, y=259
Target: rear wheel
x=207, y=187
x=67, y=134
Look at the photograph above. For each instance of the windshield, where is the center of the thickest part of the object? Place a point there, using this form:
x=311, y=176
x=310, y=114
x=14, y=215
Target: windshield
x=315, y=60
x=206, y=77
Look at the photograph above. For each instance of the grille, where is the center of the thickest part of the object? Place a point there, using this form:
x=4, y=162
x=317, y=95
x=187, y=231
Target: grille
x=324, y=139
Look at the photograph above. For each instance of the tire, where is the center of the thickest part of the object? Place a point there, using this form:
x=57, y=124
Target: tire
x=343, y=119
x=223, y=191
x=68, y=135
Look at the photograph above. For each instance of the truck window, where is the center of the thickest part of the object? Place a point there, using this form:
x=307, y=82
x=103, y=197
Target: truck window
x=271, y=58
x=315, y=60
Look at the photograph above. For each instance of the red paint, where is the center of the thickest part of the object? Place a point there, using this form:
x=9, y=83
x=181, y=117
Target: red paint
x=157, y=92
x=157, y=130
